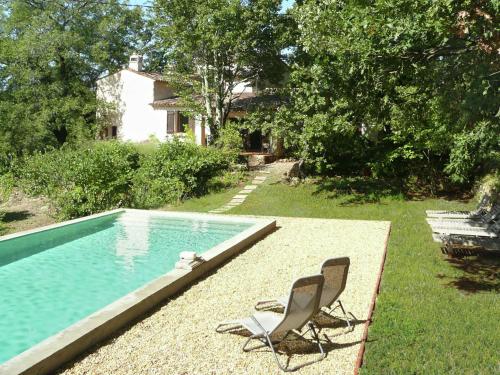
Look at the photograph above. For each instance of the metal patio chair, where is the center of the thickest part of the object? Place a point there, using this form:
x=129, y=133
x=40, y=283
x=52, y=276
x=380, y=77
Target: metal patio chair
x=271, y=329
x=480, y=211
x=482, y=222
x=335, y=271
x=488, y=239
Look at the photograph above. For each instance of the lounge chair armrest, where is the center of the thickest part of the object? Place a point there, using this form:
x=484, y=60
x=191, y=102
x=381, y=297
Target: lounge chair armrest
x=232, y=323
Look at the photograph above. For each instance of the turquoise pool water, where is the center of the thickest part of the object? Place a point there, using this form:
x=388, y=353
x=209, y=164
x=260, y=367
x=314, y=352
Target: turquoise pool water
x=52, y=279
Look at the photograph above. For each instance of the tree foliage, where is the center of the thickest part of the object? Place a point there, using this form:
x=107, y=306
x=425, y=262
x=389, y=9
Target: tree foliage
x=51, y=54
x=395, y=87
x=221, y=42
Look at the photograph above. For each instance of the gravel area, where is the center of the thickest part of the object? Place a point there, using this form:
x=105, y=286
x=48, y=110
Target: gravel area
x=179, y=337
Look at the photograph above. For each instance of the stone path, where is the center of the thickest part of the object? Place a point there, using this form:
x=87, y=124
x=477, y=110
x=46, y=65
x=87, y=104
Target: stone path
x=259, y=179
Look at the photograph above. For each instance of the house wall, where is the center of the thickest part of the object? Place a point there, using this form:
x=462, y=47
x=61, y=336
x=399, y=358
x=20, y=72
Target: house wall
x=132, y=94
x=243, y=87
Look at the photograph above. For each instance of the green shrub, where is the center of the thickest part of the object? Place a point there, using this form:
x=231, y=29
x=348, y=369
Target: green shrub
x=230, y=139
x=82, y=181
x=108, y=175
x=6, y=186
x=490, y=185
x=228, y=179
x=175, y=171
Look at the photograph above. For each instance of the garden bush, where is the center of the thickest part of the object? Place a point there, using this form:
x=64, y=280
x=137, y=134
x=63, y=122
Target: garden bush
x=230, y=139
x=107, y=175
x=81, y=181
x=177, y=170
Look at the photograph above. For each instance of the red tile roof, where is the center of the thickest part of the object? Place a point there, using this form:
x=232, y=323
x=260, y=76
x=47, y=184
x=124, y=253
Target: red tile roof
x=152, y=75
x=168, y=102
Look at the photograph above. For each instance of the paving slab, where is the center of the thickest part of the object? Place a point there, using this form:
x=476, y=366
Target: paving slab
x=240, y=196
x=236, y=202
x=244, y=191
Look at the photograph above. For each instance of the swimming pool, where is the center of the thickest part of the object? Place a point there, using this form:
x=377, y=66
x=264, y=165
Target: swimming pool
x=53, y=278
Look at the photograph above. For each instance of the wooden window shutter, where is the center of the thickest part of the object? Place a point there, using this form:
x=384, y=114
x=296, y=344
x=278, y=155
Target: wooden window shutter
x=170, y=122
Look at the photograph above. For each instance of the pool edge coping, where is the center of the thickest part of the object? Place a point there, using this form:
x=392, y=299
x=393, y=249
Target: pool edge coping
x=65, y=223
x=58, y=349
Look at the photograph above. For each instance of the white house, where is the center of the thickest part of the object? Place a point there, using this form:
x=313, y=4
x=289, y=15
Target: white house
x=143, y=105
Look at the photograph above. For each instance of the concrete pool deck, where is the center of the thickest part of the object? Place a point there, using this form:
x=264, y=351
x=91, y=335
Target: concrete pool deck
x=179, y=338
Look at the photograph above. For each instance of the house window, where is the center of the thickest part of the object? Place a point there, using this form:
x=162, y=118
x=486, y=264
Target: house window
x=183, y=123
x=114, y=132
x=170, y=122
x=176, y=122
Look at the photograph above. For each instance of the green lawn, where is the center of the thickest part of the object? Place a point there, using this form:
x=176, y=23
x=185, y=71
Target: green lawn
x=433, y=316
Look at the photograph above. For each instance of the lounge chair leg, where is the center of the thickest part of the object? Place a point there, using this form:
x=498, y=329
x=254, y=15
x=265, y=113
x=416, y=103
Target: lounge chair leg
x=345, y=315
x=246, y=343
x=318, y=342
x=316, y=337
x=283, y=368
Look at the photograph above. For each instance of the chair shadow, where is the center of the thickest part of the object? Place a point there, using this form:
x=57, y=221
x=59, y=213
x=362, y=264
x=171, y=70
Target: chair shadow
x=299, y=345
x=480, y=274
x=323, y=319
x=294, y=344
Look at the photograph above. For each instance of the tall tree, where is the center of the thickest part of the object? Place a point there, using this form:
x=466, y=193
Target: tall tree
x=398, y=87
x=51, y=54
x=221, y=42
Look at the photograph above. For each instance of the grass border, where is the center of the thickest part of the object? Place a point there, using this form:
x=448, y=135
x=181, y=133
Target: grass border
x=376, y=292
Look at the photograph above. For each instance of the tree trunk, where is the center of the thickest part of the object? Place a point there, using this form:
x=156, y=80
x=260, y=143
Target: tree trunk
x=207, y=98
x=61, y=131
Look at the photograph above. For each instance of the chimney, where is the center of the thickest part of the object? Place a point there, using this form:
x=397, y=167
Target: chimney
x=135, y=62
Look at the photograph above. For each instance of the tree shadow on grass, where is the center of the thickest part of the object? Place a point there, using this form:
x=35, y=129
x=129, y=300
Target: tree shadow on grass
x=480, y=274
x=358, y=190
x=13, y=216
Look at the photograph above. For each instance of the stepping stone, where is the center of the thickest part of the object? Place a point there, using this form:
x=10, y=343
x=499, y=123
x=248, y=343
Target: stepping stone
x=240, y=196
x=237, y=202
x=250, y=187
x=266, y=172
x=257, y=182
x=245, y=191
x=262, y=178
